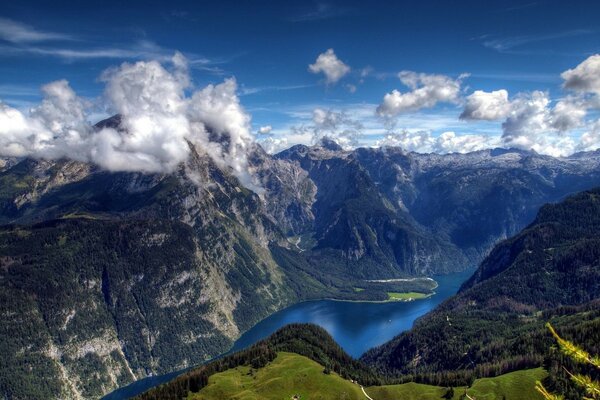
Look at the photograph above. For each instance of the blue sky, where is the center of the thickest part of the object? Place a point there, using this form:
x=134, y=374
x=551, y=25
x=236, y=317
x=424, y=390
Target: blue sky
x=519, y=47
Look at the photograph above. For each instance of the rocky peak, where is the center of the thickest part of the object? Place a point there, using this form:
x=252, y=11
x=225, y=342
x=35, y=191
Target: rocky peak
x=114, y=122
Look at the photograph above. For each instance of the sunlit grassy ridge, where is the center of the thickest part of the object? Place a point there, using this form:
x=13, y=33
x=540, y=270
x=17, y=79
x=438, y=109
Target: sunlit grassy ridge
x=288, y=375
x=292, y=375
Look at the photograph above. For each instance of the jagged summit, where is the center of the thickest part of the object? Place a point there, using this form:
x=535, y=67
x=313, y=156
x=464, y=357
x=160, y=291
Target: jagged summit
x=113, y=122
x=330, y=144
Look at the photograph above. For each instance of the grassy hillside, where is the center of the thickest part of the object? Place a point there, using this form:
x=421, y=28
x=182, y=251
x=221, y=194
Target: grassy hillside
x=303, y=360
x=290, y=374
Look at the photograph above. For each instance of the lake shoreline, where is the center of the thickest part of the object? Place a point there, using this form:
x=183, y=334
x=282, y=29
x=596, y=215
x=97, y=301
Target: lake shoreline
x=381, y=320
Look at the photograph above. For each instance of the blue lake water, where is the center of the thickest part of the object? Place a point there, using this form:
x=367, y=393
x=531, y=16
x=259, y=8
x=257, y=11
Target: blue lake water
x=356, y=326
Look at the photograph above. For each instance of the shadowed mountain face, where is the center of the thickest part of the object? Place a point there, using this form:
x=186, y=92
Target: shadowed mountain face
x=549, y=271
x=196, y=251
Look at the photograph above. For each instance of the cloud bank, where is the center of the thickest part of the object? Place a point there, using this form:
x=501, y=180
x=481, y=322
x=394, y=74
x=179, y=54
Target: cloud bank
x=488, y=106
x=158, y=119
x=529, y=120
x=448, y=142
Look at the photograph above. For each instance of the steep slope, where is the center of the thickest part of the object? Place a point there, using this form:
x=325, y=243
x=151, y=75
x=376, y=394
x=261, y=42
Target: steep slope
x=110, y=277
x=355, y=222
x=475, y=199
x=323, y=222
x=386, y=211
x=302, y=360
x=549, y=271
x=118, y=300
x=180, y=265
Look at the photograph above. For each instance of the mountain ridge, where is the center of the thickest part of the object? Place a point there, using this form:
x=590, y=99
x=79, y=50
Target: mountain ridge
x=326, y=220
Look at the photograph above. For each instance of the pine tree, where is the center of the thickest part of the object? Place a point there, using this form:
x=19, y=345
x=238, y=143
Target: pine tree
x=577, y=354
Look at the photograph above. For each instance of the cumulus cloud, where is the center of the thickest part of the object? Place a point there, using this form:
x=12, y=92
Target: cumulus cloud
x=327, y=123
x=338, y=126
x=568, y=114
x=590, y=139
x=426, y=91
x=527, y=119
x=329, y=65
x=447, y=142
x=532, y=124
x=158, y=120
x=265, y=130
x=585, y=77
x=273, y=144
x=54, y=128
x=488, y=106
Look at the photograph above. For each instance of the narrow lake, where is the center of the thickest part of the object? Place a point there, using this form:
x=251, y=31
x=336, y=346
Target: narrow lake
x=356, y=326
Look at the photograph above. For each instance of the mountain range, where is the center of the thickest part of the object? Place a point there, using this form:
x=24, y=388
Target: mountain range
x=494, y=327
x=191, y=259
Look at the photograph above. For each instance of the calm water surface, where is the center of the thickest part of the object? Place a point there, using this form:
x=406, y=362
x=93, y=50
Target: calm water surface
x=356, y=326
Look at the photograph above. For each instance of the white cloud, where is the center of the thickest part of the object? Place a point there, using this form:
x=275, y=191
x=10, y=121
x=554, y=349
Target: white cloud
x=265, y=130
x=330, y=65
x=218, y=108
x=426, y=91
x=568, y=114
x=338, y=126
x=152, y=103
x=527, y=119
x=590, y=140
x=16, y=32
x=488, y=106
x=533, y=125
x=448, y=142
x=158, y=117
x=585, y=77
x=274, y=144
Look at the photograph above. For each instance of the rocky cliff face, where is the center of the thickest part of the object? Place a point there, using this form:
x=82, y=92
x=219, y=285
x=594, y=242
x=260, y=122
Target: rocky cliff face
x=356, y=221
x=110, y=277
x=469, y=201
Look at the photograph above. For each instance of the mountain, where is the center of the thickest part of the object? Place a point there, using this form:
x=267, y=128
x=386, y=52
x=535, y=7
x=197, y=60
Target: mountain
x=191, y=259
x=354, y=221
x=548, y=272
x=109, y=277
x=428, y=213
x=475, y=199
x=303, y=360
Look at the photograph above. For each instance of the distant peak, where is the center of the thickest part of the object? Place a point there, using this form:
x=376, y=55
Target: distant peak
x=499, y=151
x=330, y=144
x=113, y=122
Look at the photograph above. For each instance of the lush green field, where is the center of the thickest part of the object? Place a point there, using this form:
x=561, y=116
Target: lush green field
x=291, y=374
x=407, y=296
x=514, y=385
x=288, y=375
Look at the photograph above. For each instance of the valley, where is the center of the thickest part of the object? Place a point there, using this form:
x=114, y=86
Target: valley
x=488, y=330
x=199, y=249
x=355, y=325
x=299, y=200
